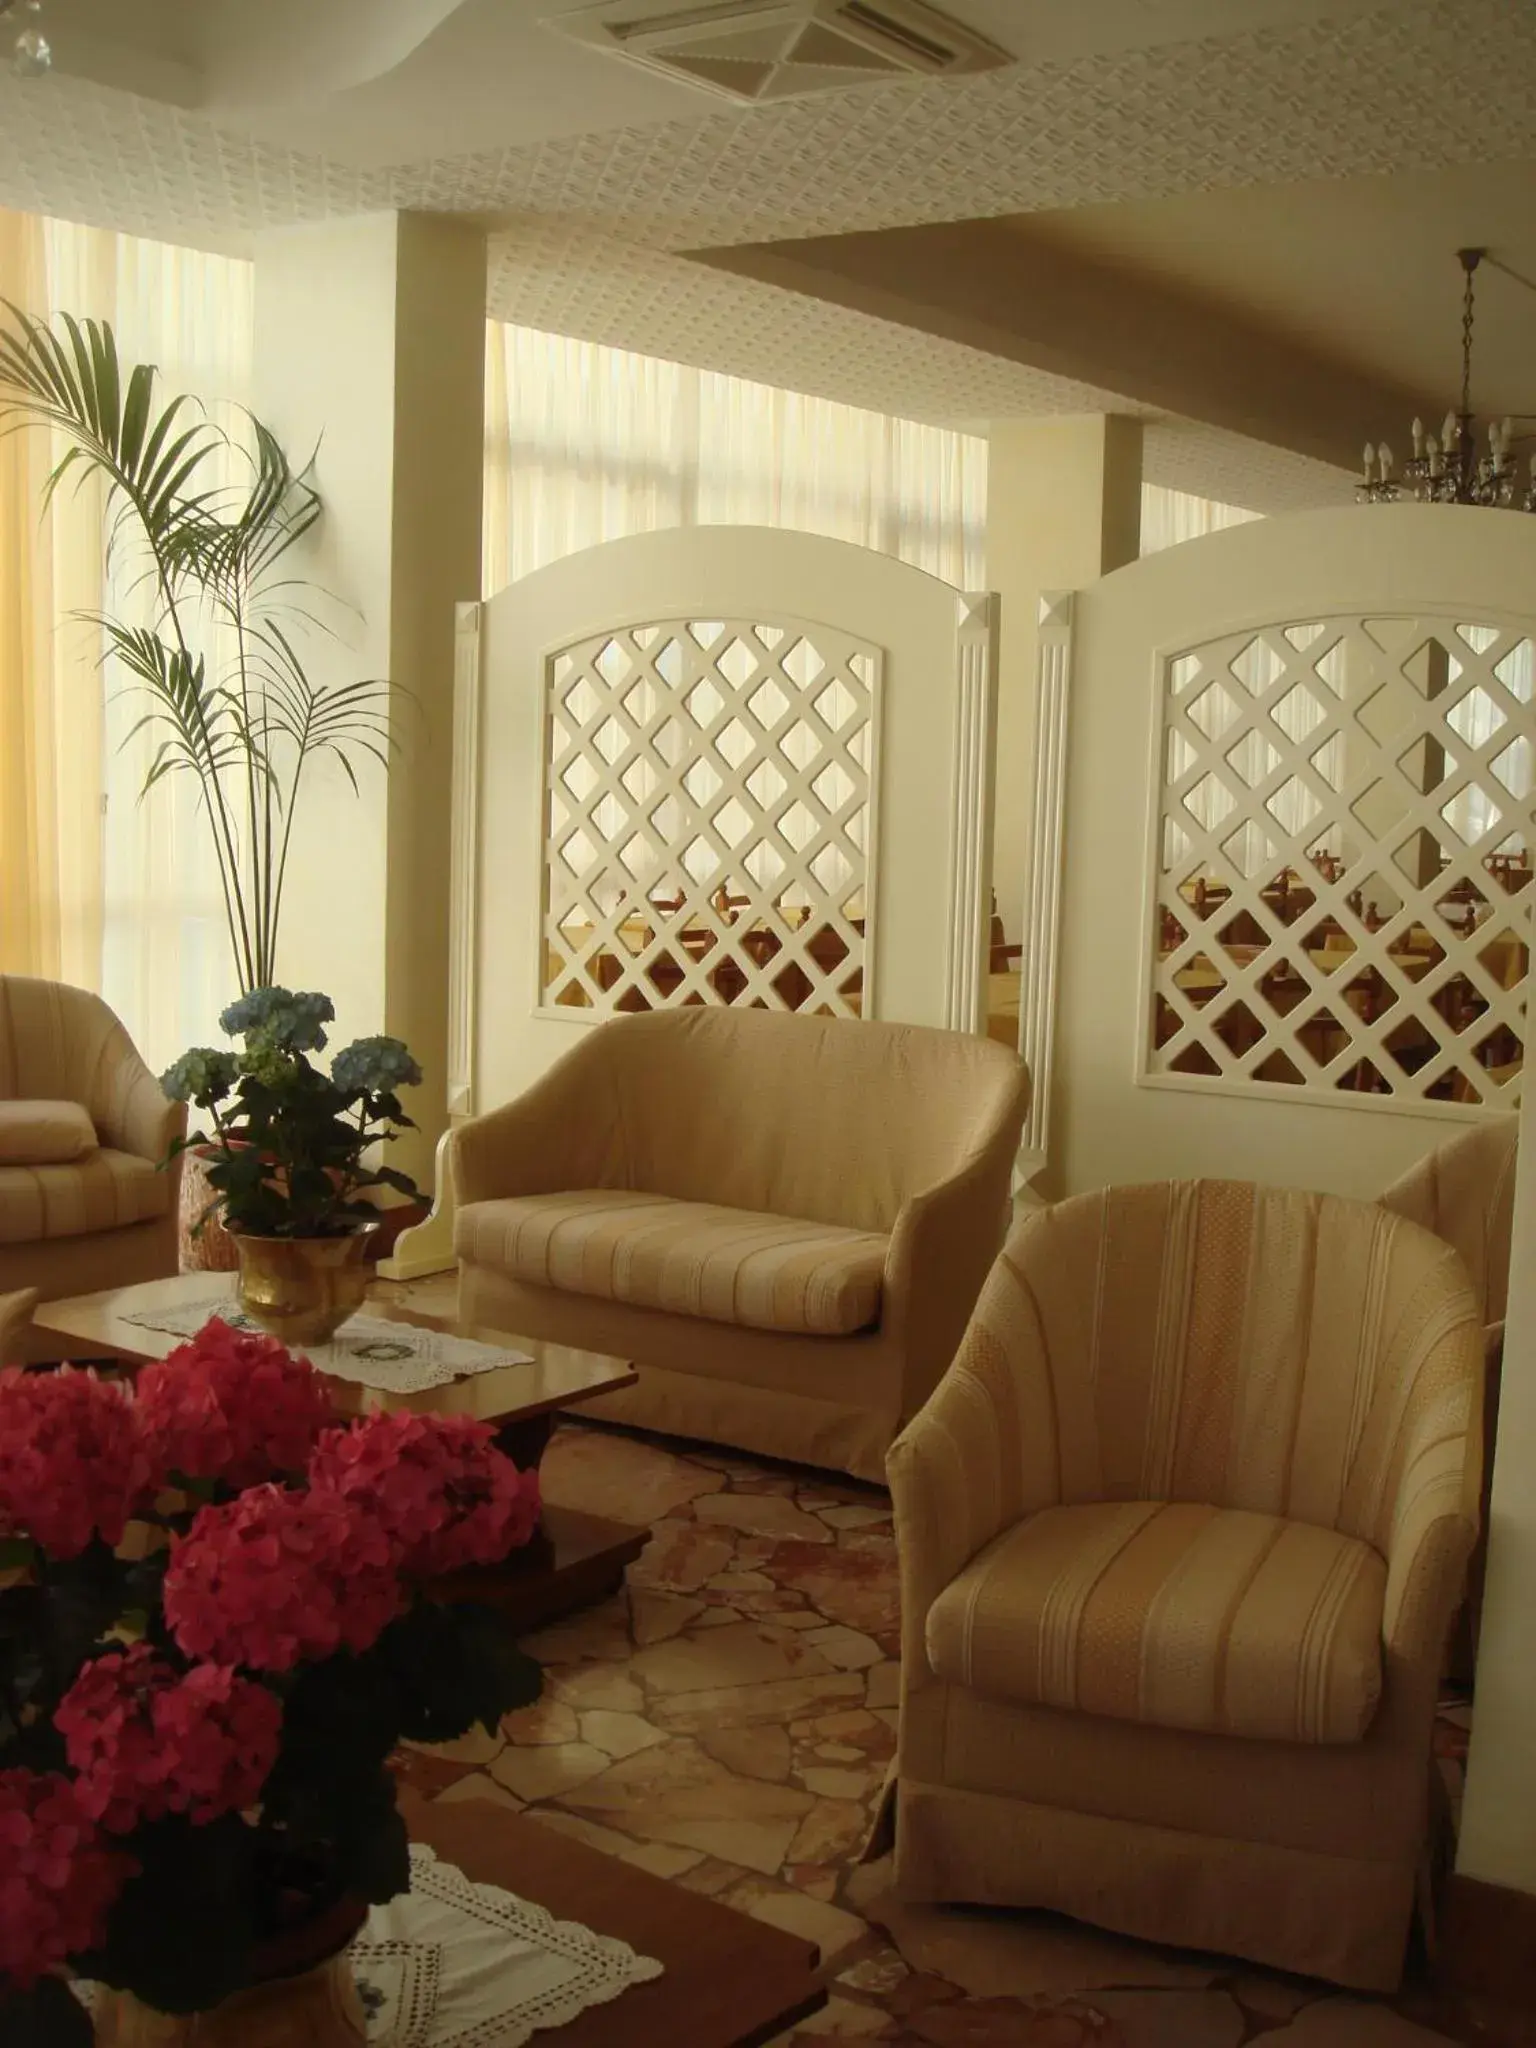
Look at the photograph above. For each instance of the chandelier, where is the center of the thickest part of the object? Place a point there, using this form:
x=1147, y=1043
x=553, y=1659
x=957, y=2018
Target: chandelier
x=1457, y=468
x=31, y=51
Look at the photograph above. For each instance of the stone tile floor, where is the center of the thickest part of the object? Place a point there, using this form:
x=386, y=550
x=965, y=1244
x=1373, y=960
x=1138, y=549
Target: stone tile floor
x=726, y=1723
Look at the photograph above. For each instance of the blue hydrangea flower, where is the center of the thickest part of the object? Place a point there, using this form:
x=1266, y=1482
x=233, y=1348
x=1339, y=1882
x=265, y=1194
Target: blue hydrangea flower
x=374, y=1066
x=293, y=1022
x=203, y=1076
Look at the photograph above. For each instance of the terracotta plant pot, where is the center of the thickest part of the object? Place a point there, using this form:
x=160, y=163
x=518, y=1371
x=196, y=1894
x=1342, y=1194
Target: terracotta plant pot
x=208, y=1249
x=302, y=1289
x=307, y=1999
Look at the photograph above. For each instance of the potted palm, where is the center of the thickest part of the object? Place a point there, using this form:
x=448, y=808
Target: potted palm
x=217, y=1623
x=290, y=1154
x=214, y=644
x=201, y=526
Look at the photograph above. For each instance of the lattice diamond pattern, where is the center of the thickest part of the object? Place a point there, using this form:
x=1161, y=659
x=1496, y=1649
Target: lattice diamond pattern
x=709, y=790
x=1348, y=817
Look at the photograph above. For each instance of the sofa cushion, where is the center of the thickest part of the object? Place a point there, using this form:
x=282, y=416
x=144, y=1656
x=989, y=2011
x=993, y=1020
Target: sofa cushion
x=103, y=1192
x=1209, y=1619
x=692, y=1258
x=44, y=1133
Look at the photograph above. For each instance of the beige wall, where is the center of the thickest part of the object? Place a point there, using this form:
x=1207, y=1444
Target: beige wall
x=1063, y=509
x=1498, y=1830
x=370, y=349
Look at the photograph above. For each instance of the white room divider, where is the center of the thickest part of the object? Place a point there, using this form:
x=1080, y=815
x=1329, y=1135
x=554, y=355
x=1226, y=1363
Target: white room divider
x=1298, y=828
x=715, y=765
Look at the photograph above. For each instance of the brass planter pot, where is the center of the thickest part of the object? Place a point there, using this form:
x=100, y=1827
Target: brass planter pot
x=318, y=2010
x=302, y=1289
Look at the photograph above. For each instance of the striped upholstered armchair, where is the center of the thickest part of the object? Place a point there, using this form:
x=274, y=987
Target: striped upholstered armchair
x=84, y=1200
x=1181, y=1534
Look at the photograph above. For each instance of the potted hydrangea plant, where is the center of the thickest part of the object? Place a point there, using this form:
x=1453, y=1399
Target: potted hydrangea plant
x=218, y=1624
x=291, y=1154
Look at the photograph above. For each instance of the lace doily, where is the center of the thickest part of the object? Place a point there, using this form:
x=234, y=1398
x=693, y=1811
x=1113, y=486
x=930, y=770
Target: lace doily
x=508, y=1969
x=399, y=1358
x=452, y=1964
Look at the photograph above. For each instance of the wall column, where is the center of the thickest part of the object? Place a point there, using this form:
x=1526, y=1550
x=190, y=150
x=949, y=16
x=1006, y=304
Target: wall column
x=1063, y=509
x=370, y=354
x=1498, y=1828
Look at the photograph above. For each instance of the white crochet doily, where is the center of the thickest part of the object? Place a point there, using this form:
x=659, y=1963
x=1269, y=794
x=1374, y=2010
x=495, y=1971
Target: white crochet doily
x=451, y=1964
x=505, y=1969
x=399, y=1358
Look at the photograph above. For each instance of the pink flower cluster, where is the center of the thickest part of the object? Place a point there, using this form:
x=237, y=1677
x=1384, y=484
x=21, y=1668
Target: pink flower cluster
x=277, y=1578
x=72, y=1462
x=58, y=1879
x=231, y=1406
x=148, y=1740
x=436, y=1486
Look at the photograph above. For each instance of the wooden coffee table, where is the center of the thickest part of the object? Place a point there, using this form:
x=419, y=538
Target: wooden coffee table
x=728, y=1981
x=574, y=1559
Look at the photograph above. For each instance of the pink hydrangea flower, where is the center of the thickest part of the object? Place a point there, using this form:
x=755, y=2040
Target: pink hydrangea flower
x=231, y=1406
x=148, y=1740
x=277, y=1578
x=58, y=1879
x=434, y=1484
x=73, y=1464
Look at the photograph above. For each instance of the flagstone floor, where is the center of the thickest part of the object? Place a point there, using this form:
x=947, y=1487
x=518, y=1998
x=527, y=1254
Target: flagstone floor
x=726, y=1723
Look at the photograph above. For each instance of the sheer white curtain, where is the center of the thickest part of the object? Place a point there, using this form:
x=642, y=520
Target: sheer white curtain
x=162, y=959
x=1168, y=517
x=586, y=444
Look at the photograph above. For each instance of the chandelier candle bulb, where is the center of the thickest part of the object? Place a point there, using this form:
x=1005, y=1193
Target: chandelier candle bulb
x=1370, y=459
x=1418, y=437
x=1384, y=461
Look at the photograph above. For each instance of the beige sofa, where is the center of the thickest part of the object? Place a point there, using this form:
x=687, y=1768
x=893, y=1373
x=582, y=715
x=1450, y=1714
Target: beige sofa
x=1181, y=1534
x=106, y=1217
x=784, y=1221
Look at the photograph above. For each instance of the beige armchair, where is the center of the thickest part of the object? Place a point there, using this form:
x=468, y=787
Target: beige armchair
x=94, y=1209
x=1181, y=1534
x=784, y=1221
x=1464, y=1191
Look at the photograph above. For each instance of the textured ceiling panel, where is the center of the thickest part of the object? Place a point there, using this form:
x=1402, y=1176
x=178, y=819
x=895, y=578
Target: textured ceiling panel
x=597, y=215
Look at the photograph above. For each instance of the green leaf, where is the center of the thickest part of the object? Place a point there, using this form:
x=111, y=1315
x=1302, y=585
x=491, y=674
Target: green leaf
x=183, y=1930
x=47, y=2016
x=454, y=1666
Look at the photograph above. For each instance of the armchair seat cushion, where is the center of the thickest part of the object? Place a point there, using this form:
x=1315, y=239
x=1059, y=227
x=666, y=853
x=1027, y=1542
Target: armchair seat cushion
x=735, y=1266
x=103, y=1192
x=44, y=1133
x=1212, y=1620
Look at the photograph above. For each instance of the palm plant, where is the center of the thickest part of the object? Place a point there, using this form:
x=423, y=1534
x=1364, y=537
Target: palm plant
x=213, y=559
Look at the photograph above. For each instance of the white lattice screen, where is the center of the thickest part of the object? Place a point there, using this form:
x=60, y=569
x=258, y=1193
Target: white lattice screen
x=709, y=817
x=1344, y=860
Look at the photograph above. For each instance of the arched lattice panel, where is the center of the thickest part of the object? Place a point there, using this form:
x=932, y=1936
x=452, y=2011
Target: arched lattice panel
x=1346, y=815
x=709, y=819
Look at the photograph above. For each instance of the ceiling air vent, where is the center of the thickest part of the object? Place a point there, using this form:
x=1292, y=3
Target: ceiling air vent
x=760, y=50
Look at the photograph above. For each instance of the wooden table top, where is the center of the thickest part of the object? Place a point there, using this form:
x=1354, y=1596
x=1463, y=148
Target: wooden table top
x=729, y=1982
x=554, y=1375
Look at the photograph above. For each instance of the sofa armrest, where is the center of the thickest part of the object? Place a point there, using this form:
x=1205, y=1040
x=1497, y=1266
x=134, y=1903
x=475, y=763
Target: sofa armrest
x=982, y=1454
x=941, y=1249
x=1431, y=1518
x=131, y=1112
x=566, y=1131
